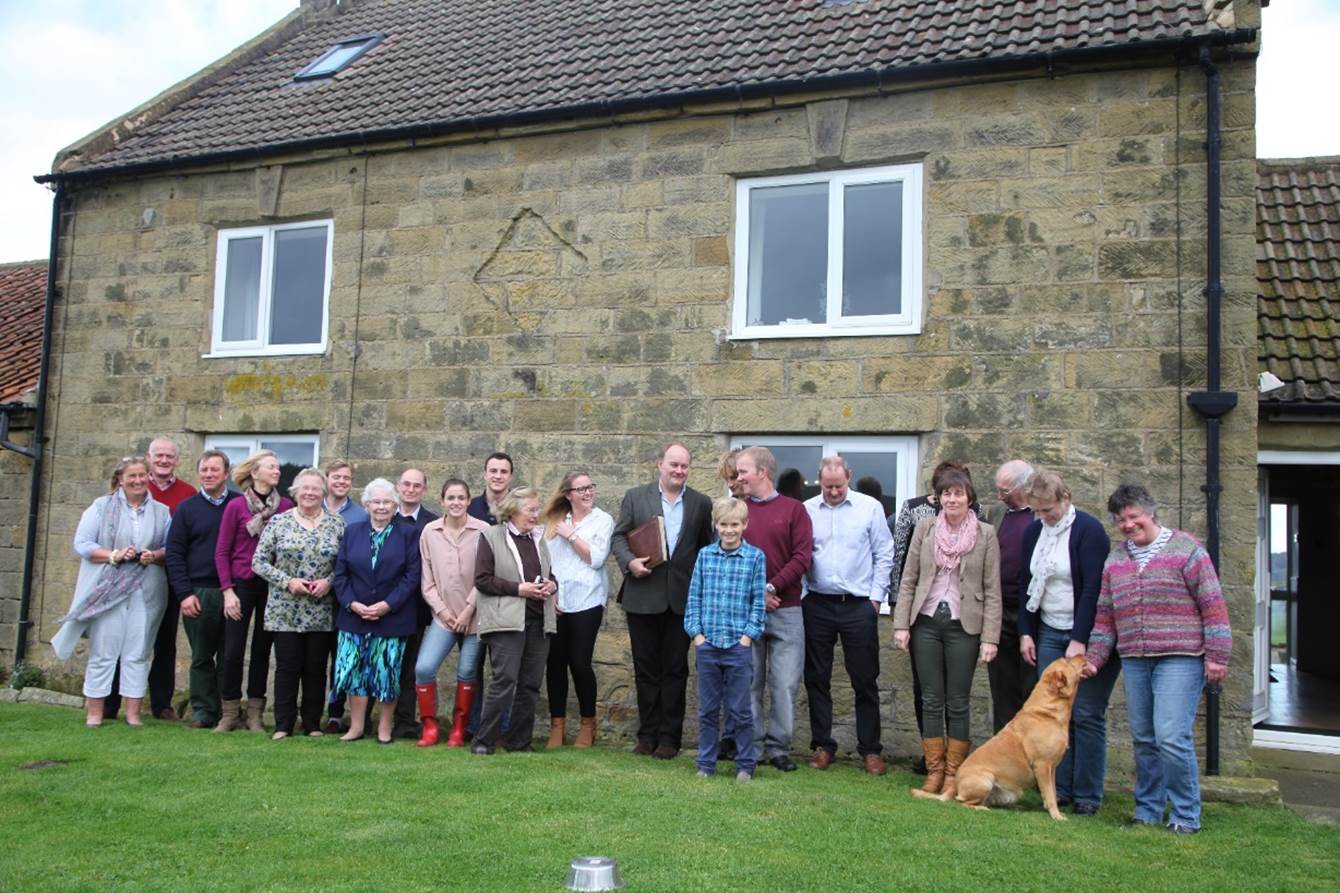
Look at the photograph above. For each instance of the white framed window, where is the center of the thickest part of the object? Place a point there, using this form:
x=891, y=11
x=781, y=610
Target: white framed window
x=272, y=289
x=295, y=451
x=890, y=460
x=828, y=253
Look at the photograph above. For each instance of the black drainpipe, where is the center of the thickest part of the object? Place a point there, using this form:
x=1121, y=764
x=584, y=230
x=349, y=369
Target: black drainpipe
x=1212, y=404
x=35, y=452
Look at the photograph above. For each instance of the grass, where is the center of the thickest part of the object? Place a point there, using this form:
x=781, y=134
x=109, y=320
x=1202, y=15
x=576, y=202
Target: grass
x=167, y=808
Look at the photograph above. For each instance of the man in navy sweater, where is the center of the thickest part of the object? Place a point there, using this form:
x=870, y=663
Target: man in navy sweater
x=195, y=583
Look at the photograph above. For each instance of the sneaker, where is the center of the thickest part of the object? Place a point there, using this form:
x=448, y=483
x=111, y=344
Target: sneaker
x=1182, y=829
x=1084, y=809
x=1137, y=823
x=743, y=777
x=702, y=774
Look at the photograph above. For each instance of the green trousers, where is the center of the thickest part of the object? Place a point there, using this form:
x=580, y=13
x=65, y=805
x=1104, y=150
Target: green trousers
x=205, y=633
x=946, y=657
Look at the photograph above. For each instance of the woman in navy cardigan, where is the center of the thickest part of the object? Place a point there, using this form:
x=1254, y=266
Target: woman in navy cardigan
x=1062, y=571
x=377, y=585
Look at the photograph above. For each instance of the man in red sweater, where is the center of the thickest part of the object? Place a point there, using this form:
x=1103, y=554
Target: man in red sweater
x=780, y=526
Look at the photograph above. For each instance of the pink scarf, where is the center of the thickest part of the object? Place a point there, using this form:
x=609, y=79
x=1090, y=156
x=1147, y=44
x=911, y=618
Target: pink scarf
x=951, y=546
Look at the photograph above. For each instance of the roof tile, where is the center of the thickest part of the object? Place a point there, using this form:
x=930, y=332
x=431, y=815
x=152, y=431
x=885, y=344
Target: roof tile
x=23, y=290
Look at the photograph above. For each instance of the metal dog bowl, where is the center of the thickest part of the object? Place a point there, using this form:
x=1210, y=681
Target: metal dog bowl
x=594, y=873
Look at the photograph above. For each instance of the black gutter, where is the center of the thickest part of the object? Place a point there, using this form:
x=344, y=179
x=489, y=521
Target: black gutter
x=1212, y=403
x=39, y=433
x=875, y=77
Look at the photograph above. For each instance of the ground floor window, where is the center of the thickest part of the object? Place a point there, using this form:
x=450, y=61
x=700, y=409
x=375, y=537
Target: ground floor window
x=295, y=451
x=890, y=460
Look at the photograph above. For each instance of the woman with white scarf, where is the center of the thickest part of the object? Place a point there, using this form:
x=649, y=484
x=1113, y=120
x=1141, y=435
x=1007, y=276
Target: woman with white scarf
x=517, y=595
x=1062, y=572
x=949, y=605
x=121, y=591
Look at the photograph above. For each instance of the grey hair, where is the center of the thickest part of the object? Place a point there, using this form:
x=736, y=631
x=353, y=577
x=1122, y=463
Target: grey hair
x=380, y=484
x=1020, y=473
x=510, y=504
x=307, y=473
x=835, y=462
x=1127, y=495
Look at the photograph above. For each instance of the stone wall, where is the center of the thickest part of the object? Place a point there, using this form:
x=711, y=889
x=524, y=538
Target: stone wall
x=15, y=485
x=566, y=296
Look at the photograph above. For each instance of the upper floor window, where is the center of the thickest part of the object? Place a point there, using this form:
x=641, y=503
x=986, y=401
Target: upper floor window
x=272, y=289
x=825, y=254
x=339, y=57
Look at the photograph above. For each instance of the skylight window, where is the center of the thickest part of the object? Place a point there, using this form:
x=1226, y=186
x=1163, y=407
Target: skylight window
x=338, y=57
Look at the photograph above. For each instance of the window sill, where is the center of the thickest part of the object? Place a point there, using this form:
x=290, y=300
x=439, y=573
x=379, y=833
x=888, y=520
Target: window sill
x=300, y=350
x=812, y=331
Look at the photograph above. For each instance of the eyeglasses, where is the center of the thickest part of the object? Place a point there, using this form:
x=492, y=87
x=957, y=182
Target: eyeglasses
x=1006, y=491
x=584, y=491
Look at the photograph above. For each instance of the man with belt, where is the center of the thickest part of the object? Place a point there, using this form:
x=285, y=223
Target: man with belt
x=848, y=581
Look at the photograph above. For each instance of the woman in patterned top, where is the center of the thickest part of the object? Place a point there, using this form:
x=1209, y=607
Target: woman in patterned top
x=1161, y=608
x=296, y=556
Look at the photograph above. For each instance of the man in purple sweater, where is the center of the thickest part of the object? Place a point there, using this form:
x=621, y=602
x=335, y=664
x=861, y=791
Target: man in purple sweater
x=1011, y=677
x=780, y=526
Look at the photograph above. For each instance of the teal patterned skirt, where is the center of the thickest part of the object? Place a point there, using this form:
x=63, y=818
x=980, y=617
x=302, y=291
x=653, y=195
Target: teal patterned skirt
x=368, y=666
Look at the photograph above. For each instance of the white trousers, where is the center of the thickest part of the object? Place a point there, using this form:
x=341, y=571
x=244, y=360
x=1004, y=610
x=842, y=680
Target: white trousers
x=126, y=634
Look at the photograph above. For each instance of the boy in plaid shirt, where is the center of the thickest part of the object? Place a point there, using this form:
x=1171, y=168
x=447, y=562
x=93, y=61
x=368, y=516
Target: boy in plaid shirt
x=724, y=615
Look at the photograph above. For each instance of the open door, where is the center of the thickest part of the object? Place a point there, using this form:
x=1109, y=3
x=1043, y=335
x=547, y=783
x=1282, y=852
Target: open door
x=1261, y=632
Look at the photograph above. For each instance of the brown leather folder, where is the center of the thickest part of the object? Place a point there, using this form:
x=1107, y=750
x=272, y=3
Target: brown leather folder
x=648, y=541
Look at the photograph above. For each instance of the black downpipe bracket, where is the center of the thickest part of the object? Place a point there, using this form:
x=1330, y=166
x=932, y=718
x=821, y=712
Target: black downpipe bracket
x=1212, y=404
x=39, y=434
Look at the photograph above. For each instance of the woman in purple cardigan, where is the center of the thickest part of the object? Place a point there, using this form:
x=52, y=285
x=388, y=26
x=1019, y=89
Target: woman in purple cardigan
x=1061, y=572
x=1161, y=608
x=244, y=593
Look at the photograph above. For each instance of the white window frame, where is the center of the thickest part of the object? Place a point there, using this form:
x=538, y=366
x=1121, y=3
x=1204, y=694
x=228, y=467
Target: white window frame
x=904, y=446
x=260, y=345
x=252, y=442
x=906, y=322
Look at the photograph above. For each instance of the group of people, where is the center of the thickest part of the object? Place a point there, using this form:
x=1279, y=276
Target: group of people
x=362, y=602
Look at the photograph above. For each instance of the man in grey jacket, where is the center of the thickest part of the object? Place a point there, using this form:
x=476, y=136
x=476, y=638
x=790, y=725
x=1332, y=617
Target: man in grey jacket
x=653, y=599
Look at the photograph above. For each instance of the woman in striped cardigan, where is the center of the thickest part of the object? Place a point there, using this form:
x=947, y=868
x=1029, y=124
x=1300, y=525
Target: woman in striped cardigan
x=1161, y=607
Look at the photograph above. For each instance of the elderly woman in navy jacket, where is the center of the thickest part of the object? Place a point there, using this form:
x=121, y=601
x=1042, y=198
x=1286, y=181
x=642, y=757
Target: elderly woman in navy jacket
x=377, y=586
x=1063, y=555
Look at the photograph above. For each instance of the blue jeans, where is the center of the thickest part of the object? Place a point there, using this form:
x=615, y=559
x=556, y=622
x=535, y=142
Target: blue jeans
x=1079, y=777
x=779, y=659
x=437, y=644
x=1162, y=694
x=724, y=676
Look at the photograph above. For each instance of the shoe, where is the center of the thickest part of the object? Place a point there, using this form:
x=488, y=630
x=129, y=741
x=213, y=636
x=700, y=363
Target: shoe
x=1085, y=809
x=333, y=726
x=665, y=752
x=875, y=765
x=783, y=763
x=407, y=730
x=525, y=748
x=255, y=712
x=822, y=759
x=1175, y=828
x=933, y=749
x=1137, y=823
x=919, y=767
x=558, y=732
x=955, y=753
x=727, y=750
x=167, y=714
x=644, y=749
x=197, y=724
x=460, y=714
x=427, y=697
x=358, y=737
x=481, y=750
x=702, y=774
x=743, y=777
x=279, y=736
x=586, y=734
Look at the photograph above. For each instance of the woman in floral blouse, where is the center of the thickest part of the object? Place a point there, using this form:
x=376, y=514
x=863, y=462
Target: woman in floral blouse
x=296, y=555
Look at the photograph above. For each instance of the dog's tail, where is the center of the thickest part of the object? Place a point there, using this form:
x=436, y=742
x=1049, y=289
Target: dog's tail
x=943, y=796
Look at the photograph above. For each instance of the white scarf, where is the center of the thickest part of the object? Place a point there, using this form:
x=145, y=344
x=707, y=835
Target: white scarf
x=1046, y=555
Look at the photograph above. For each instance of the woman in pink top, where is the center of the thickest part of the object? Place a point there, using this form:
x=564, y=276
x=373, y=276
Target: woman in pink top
x=244, y=593
x=447, y=547
x=949, y=605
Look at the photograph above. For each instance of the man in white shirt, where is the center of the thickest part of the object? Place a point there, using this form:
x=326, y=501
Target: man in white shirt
x=848, y=581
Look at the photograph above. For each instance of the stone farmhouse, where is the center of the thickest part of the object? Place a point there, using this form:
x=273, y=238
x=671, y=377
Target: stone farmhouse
x=412, y=233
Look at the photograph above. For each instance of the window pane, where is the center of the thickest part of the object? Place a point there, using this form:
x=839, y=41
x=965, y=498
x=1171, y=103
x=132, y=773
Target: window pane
x=338, y=58
x=242, y=289
x=294, y=456
x=297, y=306
x=788, y=254
x=872, y=257
x=883, y=467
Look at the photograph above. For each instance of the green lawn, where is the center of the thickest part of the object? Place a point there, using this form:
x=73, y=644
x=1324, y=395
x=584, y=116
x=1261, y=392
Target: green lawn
x=167, y=808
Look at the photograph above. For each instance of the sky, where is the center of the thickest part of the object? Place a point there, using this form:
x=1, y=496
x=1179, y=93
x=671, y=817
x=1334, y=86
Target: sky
x=70, y=66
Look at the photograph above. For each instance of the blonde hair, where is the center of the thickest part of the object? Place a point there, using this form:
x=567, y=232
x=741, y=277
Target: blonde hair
x=728, y=508
x=727, y=470
x=510, y=504
x=242, y=472
x=1047, y=484
x=559, y=505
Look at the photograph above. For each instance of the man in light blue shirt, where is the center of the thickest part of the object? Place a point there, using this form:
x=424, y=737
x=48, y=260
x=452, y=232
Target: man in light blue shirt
x=848, y=581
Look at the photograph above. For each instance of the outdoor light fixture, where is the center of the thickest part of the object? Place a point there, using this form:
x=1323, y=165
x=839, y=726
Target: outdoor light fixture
x=594, y=873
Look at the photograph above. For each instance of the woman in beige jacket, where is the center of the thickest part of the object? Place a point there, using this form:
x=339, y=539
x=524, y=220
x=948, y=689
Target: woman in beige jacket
x=949, y=602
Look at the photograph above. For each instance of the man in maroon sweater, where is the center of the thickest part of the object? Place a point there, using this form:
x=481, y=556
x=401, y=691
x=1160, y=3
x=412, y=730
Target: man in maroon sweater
x=1011, y=678
x=780, y=526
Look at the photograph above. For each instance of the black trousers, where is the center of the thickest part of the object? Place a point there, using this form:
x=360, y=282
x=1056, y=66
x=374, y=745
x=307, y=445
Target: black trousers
x=300, y=659
x=571, y=650
x=661, y=669
x=1011, y=678
x=163, y=671
x=518, y=660
x=405, y=707
x=253, y=595
x=850, y=618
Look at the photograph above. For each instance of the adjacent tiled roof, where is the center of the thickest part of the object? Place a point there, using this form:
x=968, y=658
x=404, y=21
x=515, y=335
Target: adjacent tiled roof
x=1298, y=278
x=23, y=289
x=447, y=65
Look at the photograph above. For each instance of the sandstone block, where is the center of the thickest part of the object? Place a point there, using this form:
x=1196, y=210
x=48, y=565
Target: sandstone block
x=741, y=378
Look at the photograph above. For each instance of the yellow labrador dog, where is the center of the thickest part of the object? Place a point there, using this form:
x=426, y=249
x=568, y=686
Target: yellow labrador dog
x=1027, y=749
